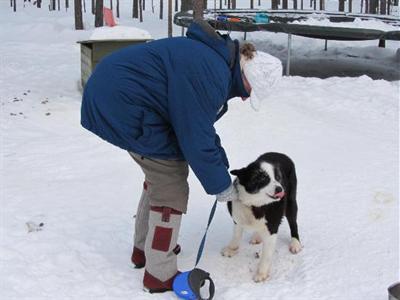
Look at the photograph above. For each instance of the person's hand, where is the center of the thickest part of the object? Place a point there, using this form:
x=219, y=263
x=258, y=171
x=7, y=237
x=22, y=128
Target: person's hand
x=230, y=194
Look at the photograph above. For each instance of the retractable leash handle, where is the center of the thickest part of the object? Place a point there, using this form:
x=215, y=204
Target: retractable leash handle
x=187, y=285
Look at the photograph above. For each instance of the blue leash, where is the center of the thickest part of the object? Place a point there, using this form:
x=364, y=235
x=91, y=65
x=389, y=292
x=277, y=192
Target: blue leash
x=187, y=284
x=203, y=241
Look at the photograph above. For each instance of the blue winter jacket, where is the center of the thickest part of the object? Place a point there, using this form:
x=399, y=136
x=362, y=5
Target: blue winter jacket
x=161, y=100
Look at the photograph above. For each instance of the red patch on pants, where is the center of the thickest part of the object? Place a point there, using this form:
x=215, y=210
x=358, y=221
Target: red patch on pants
x=162, y=238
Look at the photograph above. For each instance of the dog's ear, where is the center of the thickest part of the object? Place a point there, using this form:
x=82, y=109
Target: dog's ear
x=238, y=172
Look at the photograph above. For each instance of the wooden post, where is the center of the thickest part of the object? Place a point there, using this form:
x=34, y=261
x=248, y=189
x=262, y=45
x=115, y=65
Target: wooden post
x=289, y=50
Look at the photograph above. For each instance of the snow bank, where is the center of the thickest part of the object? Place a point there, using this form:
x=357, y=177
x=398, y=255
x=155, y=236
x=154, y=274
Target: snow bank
x=119, y=33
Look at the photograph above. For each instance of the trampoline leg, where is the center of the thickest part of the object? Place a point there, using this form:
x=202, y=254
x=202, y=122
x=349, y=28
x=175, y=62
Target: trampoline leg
x=326, y=45
x=245, y=35
x=289, y=52
x=382, y=44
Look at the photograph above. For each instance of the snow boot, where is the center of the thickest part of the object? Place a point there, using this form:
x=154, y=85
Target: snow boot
x=141, y=227
x=161, y=249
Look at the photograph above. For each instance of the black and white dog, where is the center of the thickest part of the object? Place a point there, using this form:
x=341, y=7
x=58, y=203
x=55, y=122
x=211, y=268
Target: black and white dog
x=266, y=192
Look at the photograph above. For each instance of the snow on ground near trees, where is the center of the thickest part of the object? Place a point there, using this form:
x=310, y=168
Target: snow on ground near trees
x=342, y=134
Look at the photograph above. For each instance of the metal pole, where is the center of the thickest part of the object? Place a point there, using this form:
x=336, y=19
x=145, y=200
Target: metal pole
x=183, y=31
x=288, y=54
x=245, y=35
x=326, y=45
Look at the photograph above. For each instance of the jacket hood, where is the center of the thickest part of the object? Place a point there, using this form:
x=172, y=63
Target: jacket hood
x=201, y=31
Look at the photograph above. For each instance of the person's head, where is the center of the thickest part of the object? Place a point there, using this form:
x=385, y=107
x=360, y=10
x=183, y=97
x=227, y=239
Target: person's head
x=260, y=72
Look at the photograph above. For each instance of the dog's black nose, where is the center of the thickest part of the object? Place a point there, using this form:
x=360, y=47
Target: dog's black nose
x=278, y=189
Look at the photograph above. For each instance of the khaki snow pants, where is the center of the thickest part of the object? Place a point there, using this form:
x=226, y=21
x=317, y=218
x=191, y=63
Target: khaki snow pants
x=166, y=181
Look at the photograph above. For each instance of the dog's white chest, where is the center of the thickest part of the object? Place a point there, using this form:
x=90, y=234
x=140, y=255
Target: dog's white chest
x=243, y=215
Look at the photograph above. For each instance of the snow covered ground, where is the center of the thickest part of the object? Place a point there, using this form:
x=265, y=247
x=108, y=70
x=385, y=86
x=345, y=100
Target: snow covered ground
x=342, y=133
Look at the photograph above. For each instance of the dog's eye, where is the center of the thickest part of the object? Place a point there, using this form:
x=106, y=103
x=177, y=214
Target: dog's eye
x=262, y=177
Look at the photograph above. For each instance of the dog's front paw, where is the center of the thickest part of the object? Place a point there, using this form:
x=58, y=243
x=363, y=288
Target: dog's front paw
x=255, y=239
x=260, y=276
x=229, y=251
x=295, y=246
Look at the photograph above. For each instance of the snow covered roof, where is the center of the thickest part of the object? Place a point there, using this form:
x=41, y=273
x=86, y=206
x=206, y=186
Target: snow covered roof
x=118, y=33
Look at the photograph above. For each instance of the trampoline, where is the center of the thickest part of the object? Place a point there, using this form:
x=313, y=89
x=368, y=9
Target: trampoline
x=245, y=20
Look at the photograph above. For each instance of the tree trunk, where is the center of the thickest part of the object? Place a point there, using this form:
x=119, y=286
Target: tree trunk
x=187, y=5
x=111, y=4
x=350, y=5
x=284, y=4
x=383, y=7
x=388, y=8
x=322, y=4
x=341, y=5
x=161, y=9
x=251, y=4
x=274, y=4
x=117, y=8
x=67, y=5
x=169, y=18
x=198, y=9
x=93, y=7
x=78, y=14
x=84, y=6
x=176, y=5
x=135, y=9
x=39, y=3
x=15, y=5
x=58, y=5
x=294, y=4
x=220, y=4
x=52, y=5
x=373, y=6
x=233, y=4
x=141, y=11
x=98, y=20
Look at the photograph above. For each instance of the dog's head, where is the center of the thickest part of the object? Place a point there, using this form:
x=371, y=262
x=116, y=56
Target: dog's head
x=260, y=183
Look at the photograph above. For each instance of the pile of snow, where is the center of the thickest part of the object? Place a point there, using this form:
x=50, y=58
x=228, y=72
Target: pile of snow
x=120, y=33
